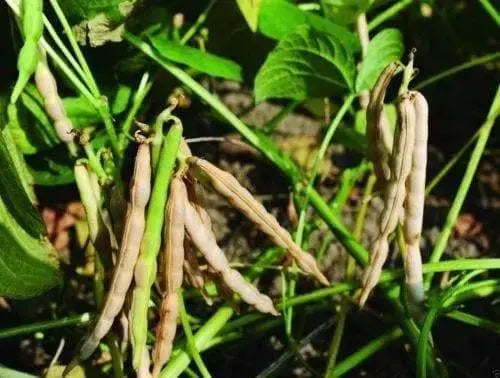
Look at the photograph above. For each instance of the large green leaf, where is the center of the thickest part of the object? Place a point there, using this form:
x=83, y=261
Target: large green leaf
x=386, y=47
x=250, y=10
x=28, y=265
x=14, y=196
x=278, y=18
x=344, y=12
x=197, y=59
x=306, y=64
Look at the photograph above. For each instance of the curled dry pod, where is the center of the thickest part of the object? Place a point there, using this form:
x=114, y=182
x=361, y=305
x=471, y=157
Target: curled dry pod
x=394, y=192
x=173, y=267
x=227, y=185
x=414, y=204
x=377, y=126
x=140, y=188
x=204, y=239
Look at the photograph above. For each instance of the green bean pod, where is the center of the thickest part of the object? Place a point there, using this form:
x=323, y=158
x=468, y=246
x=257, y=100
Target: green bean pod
x=32, y=27
x=145, y=268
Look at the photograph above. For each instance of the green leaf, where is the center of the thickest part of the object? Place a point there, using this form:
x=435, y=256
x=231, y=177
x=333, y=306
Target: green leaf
x=52, y=168
x=121, y=100
x=197, y=59
x=250, y=10
x=278, y=18
x=28, y=264
x=344, y=12
x=14, y=196
x=41, y=131
x=5, y=372
x=81, y=112
x=306, y=64
x=386, y=47
x=360, y=118
x=350, y=138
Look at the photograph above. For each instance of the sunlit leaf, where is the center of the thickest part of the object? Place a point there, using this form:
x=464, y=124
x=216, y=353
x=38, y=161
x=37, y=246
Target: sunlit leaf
x=250, y=10
x=197, y=59
x=344, y=12
x=306, y=64
x=278, y=18
x=384, y=48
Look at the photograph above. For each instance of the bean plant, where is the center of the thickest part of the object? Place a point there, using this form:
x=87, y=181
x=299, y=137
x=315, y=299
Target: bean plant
x=104, y=114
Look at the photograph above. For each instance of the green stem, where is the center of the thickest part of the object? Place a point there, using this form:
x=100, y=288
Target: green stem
x=465, y=184
x=181, y=360
x=445, y=266
x=317, y=162
x=339, y=329
x=141, y=93
x=199, y=21
x=473, y=320
x=74, y=320
x=389, y=13
x=191, y=344
x=276, y=120
x=451, y=163
x=72, y=61
x=94, y=162
x=490, y=9
x=349, y=178
x=430, y=318
x=327, y=139
x=100, y=102
x=340, y=288
x=74, y=45
x=367, y=351
x=461, y=67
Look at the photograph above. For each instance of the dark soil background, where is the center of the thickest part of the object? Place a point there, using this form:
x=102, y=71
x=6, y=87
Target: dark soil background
x=455, y=32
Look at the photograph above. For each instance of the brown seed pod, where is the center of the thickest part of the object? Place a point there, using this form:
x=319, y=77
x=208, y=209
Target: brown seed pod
x=193, y=273
x=140, y=188
x=227, y=185
x=173, y=260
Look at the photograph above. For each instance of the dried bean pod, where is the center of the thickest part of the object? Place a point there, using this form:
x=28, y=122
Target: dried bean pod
x=143, y=371
x=173, y=259
x=377, y=126
x=124, y=269
x=204, y=240
x=394, y=191
x=227, y=185
x=193, y=274
x=169, y=312
x=414, y=204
